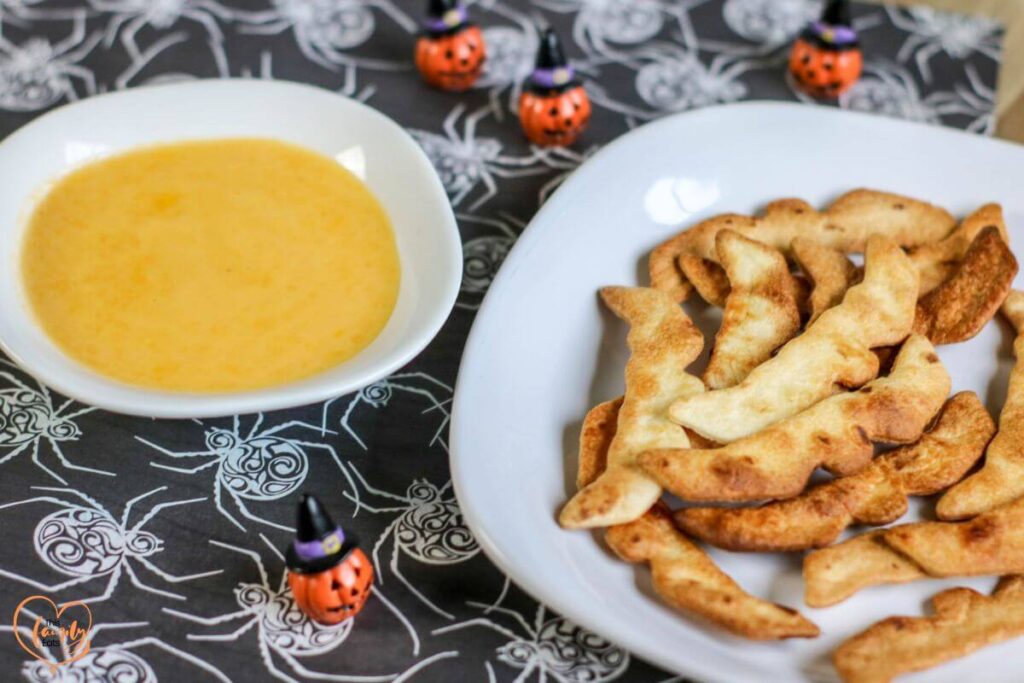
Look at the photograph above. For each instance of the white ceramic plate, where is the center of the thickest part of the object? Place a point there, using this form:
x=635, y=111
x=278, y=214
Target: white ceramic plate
x=362, y=139
x=542, y=352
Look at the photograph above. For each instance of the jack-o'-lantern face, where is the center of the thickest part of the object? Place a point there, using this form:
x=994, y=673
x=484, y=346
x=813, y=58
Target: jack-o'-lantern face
x=823, y=71
x=556, y=118
x=452, y=61
x=335, y=594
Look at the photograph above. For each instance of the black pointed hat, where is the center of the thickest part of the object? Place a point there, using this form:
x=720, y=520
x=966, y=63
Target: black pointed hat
x=837, y=13
x=550, y=54
x=319, y=543
x=552, y=71
x=445, y=16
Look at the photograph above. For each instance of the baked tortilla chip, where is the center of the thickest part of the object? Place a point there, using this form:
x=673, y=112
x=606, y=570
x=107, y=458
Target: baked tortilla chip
x=964, y=621
x=595, y=438
x=936, y=261
x=707, y=277
x=836, y=433
x=686, y=578
x=833, y=352
x=956, y=310
x=990, y=544
x=875, y=495
x=830, y=271
x=662, y=341
x=833, y=574
x=846, y=226
x=1001, y=480
x=760, y=312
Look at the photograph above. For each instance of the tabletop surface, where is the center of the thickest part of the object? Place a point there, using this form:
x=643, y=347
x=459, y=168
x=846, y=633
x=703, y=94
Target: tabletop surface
x=173, y=530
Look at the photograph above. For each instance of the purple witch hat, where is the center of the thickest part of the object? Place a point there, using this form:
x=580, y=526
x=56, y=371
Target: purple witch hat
x=835, y=28
x=445, y=17
x=552, y=70
x=319, y=543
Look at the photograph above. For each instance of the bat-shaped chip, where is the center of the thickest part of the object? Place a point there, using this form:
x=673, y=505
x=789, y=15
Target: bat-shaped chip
x=875, y=495
x=833, y=352
x=836, y=433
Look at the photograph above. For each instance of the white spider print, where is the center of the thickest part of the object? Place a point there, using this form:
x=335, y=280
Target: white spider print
x=566, y=160
x=325, y=29
x=83, y=540
x=437, y=394
x=130, y=76
x=131, y=16
x=601, y=22
x=115, y=662
x=770, y=22
x=37, y=74
x=511, y=50
x=282, y=629
x=428, y=528
x=932, y=31
x=257, y=466
x=978, y=101
x=483, y=255
x=465, y=161
x=549, y=646
x=29, y=418
x=890, y=90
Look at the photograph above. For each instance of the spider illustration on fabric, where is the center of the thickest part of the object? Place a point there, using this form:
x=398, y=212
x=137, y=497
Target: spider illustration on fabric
x=511, y=51
x=484, y=254
x=890, y=90
x=599, y=23
x=325, y=29
x=254, y=466
x=129, y=17
x=282, y=630
x=37, y=74
x=434, y=392
x=114, y=662
x=83, y=540
x=466, y=161
x=548, y=647
x=769, y=22
x=428, y=527
x=28, y=418
x=932, y=32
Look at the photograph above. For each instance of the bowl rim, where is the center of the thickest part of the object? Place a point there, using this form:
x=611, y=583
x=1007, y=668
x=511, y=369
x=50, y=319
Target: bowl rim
x=146, y=402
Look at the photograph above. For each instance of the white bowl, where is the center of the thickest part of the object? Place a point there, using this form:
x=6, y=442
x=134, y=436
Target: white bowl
x=365, y=141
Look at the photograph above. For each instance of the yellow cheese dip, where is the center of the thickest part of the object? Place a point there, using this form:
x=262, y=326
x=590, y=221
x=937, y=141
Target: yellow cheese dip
x=211, y=265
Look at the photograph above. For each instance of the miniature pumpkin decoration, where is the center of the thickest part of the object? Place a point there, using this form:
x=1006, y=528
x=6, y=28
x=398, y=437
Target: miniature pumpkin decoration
x=555, y=109
x=330, y=577
x=826, y=59
x=450, y=53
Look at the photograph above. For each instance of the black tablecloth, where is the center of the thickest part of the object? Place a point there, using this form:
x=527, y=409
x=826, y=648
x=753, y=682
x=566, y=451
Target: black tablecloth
x=173, y=528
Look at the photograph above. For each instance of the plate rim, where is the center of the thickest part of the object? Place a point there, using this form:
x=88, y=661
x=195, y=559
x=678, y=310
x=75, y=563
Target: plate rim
x=533, y=583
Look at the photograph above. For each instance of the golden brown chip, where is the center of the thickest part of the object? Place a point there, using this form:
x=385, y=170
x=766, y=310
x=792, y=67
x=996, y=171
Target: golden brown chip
x=760, y=312
x=707, y=277
x=936, y=261
x=964, y=621
x=830, y=271
x=1001, y=480
x=846, y=226
x=662, y=341
x=836, y=433
x=686, y=578
x=875, y=495
x=833, y=352
x=835, y=573
x=957, y=309
x=990, y=544
x=595, y=438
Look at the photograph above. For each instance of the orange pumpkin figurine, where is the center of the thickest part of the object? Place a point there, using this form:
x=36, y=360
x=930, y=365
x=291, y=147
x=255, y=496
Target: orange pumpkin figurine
x=826, y=59
x=329, y=576
x=554, y=109
x=450, y=53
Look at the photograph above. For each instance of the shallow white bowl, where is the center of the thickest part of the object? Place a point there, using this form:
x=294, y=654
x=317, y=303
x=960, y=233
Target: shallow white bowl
x=365, y=141
x=524, y=387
